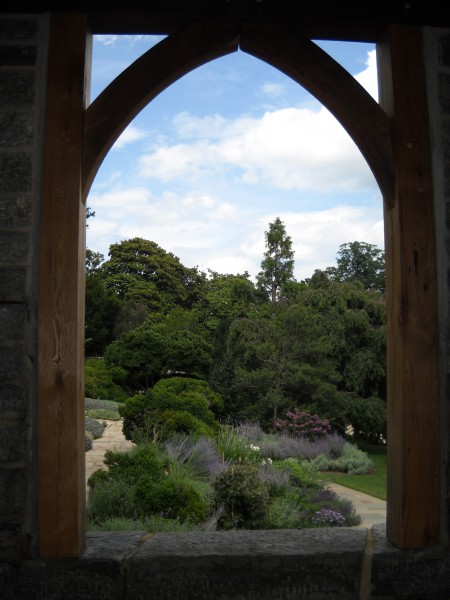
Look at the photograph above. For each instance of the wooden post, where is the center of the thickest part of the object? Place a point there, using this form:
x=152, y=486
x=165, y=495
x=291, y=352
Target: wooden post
x=413, y=498
x=61, y=297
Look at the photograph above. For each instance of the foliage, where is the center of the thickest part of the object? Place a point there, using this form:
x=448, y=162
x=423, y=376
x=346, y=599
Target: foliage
x=367, y=417
x=103, y=381
x=97, y=403
x=352, y=460
x=304, y=424
x=243, y=495
x=103, y=413
x=359, y=261
x=88, y=437
x=282, y=445
x=174, y=405
x=373, y=483
x=94, y=427
x=170, y=499
x=101, y=310
x=153, y=350
x=142, y=272
x=277, y=267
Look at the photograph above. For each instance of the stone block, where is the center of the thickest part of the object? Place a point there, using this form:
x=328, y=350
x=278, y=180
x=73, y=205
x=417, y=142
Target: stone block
x=16, y=129
x=408, y=574
x=17, y=56
x=15, y=210
x=12, y=398
x=12, y=441
x=12, y=284
x=13, y=487
x=9, y=542
x=12, y=322
x=17, y=90
x=14, y=247
x=18, y=29
x=11, y=364
x=288, y=564
x=17, y=171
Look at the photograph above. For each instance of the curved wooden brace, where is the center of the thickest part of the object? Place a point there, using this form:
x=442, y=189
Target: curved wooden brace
x=177, y=55
x=361, y=116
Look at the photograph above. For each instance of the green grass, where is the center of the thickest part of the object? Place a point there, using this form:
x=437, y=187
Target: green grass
x=373, y=483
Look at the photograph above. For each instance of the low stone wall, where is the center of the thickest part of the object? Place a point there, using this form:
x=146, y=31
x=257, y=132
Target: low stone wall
x=309, y=564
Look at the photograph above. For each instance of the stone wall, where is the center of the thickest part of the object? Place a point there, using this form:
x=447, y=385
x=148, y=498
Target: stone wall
x=21, y=91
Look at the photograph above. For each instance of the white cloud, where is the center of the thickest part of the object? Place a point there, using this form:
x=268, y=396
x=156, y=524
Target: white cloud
x=272, y=89
x=369, y=78
x=290, y=148
x=131, y=134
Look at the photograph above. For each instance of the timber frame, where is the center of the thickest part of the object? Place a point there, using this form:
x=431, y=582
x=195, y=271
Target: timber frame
x=393, y=136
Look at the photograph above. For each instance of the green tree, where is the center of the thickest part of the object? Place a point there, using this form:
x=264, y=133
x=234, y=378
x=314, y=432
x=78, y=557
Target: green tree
x=140, y=271
x=101, y=307
x=277, y=266
x=363, y=262
x=152, y=350
x=278, y=363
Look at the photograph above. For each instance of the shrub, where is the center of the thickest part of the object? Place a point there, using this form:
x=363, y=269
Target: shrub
x=170, y=499
x=303, y=424
x=176, y=405
x=110, y=498
x=103, y=413
x=367, y=417
x=201, y=456
x=301, y=476
x=102, y=381
x=141, y=460
x=235, y=447
x=88, y=437
x=243, y=495
x=97, y=403
x=284, y=445
x=189, y=391
x=353, y=461
x=94, y=427
x=179, y=422
x=284, y=512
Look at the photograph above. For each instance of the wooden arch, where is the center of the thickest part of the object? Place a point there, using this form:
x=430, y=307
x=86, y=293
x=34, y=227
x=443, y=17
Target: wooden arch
x=76, y=139
x=197, y=44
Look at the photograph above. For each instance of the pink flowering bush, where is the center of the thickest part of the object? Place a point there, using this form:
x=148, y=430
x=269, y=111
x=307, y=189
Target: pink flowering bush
x=303, y=424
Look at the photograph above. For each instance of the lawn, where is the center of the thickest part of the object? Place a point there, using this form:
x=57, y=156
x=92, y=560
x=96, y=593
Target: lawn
x=373, y=483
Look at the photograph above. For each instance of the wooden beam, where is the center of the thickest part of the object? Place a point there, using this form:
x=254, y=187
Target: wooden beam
x=142, y=81
x=413, y=442
x=61, y=297
x=306, y=63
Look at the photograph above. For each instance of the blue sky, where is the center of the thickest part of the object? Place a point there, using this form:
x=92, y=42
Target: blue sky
x=216, y=157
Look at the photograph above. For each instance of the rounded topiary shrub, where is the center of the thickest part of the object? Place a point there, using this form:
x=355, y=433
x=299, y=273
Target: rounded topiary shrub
x=88, y=437
x=94, y=427
x=130, y=466
x=243, y=496
x=170, y=499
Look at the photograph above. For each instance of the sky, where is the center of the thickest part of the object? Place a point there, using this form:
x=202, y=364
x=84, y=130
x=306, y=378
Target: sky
x=205, y=168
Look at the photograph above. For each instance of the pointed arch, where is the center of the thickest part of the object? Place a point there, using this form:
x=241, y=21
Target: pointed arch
x=115, y=108
x=316, y=71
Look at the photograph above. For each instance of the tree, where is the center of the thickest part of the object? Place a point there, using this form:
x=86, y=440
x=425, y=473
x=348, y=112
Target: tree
x=359, y=261
x=152, y=350
x=142, y=272
x=278, y=263
x=101, y=307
